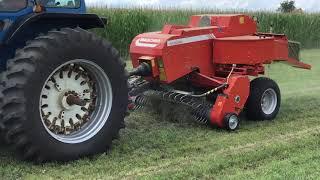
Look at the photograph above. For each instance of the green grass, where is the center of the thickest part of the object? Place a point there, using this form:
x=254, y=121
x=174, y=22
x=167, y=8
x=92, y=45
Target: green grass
x=125, y=24
x=152, y=147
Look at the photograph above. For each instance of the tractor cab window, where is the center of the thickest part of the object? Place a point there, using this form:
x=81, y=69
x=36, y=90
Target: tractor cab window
x=60, y=3
x=12, y=5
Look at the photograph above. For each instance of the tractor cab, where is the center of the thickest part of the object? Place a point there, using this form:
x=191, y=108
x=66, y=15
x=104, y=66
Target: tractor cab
x=12, y=5
x=63, y=6
x=12, y=10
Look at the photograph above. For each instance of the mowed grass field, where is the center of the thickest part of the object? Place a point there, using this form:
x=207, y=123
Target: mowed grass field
x=154, y=147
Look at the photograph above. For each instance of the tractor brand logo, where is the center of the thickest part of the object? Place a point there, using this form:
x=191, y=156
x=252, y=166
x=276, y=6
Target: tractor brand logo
x=148, y=42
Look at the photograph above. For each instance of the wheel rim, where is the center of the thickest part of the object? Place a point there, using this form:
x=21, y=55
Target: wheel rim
x=233, y=122
x=75, y=101
x=269, y=101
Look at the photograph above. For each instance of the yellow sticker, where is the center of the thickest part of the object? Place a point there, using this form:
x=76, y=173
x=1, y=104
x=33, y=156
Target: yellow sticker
x=241, y=20
x=163, y=76
x=160, y=64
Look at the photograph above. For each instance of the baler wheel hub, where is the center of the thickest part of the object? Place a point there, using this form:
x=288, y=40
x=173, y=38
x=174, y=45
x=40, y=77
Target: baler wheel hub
x=269, y=101
x=231, y=121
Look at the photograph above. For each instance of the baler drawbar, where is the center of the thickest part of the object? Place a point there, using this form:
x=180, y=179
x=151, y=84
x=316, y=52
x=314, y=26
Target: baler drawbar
x=207, y=65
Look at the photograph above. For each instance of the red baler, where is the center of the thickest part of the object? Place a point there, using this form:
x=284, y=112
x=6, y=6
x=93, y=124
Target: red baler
x=211, y=59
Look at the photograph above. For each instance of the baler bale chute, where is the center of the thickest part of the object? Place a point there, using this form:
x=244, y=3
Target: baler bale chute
x=206, y=66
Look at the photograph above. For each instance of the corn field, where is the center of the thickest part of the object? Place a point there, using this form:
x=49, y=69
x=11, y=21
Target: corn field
x=125, y=24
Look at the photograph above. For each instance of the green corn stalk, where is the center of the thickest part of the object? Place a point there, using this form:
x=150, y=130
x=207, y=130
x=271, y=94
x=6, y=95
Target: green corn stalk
x=125, y=24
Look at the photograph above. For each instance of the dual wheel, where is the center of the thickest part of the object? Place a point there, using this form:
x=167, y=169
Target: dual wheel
x=263, y=103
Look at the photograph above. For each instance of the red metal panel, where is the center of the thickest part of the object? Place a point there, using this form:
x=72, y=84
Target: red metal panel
x=238, y=25
x=180, y=60
x=249, y=50
x=239, y=88
x=228, y=24
x=148, y=44
x=167, y=29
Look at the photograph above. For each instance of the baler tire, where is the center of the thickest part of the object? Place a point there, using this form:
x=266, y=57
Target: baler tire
x=231, y=126
x=26, y=75
x=258, y=87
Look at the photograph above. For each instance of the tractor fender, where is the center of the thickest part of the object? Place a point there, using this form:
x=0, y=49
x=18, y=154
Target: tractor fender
x=43, y=22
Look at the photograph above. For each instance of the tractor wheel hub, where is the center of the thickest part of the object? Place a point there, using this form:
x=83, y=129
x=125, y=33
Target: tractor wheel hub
x=67, y=99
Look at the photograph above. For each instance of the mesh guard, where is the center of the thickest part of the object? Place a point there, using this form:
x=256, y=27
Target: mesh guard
x=294, y=50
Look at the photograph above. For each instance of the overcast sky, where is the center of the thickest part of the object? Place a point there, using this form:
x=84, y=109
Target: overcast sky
x=307, y=5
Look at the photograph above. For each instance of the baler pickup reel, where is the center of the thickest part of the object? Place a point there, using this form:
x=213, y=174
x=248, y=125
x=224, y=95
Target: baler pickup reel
x=206, y=66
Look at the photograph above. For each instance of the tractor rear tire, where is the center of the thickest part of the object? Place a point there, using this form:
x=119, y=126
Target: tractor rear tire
x=32, y=81
x=264, y=100
x=2, y=127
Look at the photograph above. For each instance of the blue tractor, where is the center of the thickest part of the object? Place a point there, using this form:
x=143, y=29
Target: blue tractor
x=63, y=92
